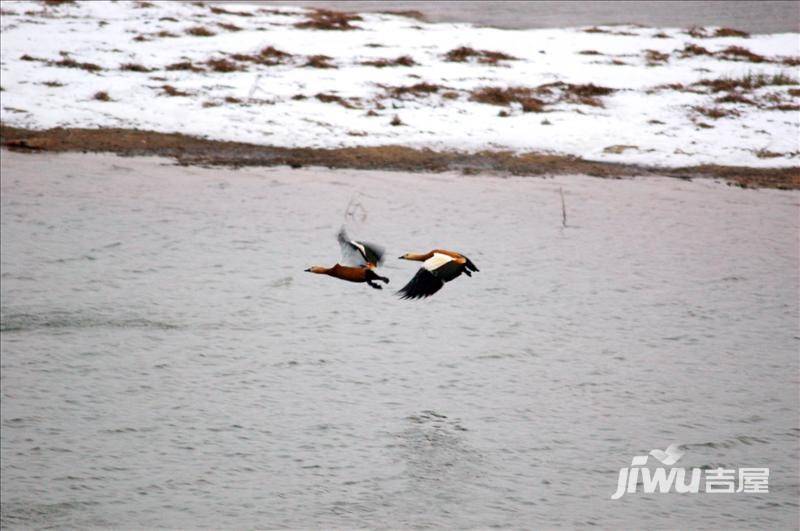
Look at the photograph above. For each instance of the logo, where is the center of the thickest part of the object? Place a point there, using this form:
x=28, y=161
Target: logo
x=659, y=479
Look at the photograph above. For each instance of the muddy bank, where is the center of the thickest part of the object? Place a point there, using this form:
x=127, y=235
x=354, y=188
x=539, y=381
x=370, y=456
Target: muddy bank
x=188, y=150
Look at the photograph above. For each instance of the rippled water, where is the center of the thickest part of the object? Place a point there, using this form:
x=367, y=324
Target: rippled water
x=167, y=362
x=761, y=16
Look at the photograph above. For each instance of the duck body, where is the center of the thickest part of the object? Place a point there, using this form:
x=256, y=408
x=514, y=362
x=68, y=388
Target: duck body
x=438, y=267
x=351, y=274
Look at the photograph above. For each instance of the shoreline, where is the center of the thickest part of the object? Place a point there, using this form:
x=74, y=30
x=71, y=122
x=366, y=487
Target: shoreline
x=190, y=150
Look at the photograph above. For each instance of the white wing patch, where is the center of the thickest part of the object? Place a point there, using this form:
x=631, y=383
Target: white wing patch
x=436, y=261
x=360, y=248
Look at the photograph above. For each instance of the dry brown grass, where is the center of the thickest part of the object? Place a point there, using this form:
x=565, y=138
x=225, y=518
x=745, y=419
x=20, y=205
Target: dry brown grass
x=26, y=57
x=794, y=92
x=192, y=150
x=691, y=50
x=231, y=99
x=735, y=97
x=396, y=121
x=730, y=32
x=319, y=61
x=222, y=11
x=52, y=84
x=764, y=153
x=268, y=56
x=463, y=54
x=746, y=82
x=325, y=19
x=715, y=113
x=655, y=57
x=101, y=96
x=536, y=99
x=229, y=27
x=68, y=62
x=333, y=98
x=168, y=19
x=200, y=31
x=403, y=60
x=133, y=67
x=185, y=66
x=223, y=66
x=169, y=90
x=506, y=96
x=418, y=89
x=700, y=32
x=589, y=52
x=741, y=54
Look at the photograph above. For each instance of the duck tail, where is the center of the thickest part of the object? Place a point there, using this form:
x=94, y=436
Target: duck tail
x=471, y=266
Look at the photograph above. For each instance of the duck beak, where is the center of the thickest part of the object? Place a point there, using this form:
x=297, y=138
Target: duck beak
x=401, y=257
x=307, y=270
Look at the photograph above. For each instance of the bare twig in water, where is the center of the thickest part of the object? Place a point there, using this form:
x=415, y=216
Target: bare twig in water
x=353, y=209
x=563, y=209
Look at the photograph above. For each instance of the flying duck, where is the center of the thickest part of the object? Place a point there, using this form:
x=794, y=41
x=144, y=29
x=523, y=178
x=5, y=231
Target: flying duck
x=362, y=258
x=439, y=266
x=360, y=254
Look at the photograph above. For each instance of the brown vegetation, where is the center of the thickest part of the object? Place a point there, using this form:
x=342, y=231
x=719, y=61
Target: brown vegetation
x=507, y=96
x=403, y=60
x=700, y=32
x=735, y=97
x=184, y=65
x=655, y=57
x=715, y=112
x=690, y=50
x=223, y=65
x=102, y=96
x=535, y=99
x=464, y=54
x=221, y=11
x=419, y=89
x=396, y=121
x=200, y=31
x=229, y=27
x=169, y=90
x=193, y=150
x=325, y=19
x=747, y=82
x=319, y=61
x=333, y=98
x=739, y=53
x=133, y=67
x=67, y=62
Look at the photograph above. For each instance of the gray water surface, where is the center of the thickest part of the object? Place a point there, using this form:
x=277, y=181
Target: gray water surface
x=764, y=16
x=167, y=363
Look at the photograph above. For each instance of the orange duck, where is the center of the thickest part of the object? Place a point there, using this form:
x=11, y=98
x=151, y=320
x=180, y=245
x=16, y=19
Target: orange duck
x=439, y=266
x=362, y=258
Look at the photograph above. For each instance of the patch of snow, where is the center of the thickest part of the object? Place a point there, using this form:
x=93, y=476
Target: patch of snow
x=661, y=126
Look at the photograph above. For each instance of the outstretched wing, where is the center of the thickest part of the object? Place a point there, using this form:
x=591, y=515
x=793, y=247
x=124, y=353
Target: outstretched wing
x=424, y=284
x=431, y=277
x=359, y=253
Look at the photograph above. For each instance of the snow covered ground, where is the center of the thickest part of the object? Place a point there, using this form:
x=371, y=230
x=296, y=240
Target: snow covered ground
x=675, y=98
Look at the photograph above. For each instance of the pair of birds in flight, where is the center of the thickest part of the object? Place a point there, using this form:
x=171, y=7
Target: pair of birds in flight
x=438, y=266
